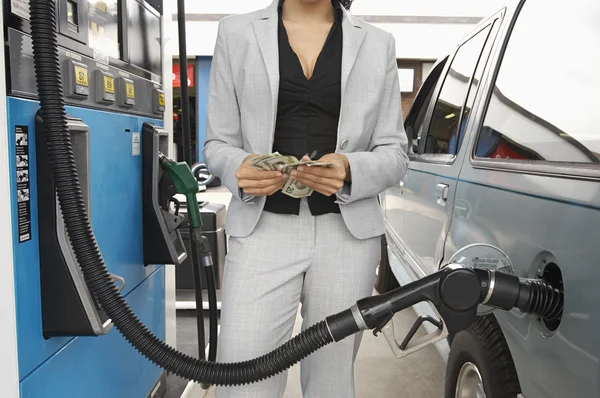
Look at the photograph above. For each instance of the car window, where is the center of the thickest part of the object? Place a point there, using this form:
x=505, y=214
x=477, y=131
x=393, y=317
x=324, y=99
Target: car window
x=466, y=111
x=446, y=118
x=415, y=120
x=420, y=118
x=544, y=106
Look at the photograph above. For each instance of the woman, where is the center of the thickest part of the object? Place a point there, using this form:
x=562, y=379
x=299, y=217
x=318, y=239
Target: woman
x=301, y=77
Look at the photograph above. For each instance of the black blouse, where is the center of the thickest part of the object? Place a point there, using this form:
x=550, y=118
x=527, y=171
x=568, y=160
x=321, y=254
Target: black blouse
x=308, y=111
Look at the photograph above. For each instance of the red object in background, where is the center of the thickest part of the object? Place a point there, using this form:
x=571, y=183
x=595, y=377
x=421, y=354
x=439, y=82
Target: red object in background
x=177, y=75
x=504, y=152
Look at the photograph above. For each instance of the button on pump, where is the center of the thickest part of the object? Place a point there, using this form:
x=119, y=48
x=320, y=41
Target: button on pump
x=105, y=87
x=77, y=82
x=126, y=92
x=344, y=144
x=158, y=100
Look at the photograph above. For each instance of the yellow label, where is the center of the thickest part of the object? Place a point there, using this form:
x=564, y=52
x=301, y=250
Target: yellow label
x=161, y=99
x=101, y=5
x=109, y=84
x=130, y=90
x=81, y=77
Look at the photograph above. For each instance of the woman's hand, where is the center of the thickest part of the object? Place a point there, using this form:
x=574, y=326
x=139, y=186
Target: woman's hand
x=324, y=180
x=257, y=182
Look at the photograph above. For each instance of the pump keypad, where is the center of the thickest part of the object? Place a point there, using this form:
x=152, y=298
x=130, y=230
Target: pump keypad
x=105, y=87
x=78, y=84
x=126, y=92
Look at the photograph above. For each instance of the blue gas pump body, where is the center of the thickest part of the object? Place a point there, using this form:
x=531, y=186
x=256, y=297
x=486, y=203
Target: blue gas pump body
x=62, y=353
x=89, y=366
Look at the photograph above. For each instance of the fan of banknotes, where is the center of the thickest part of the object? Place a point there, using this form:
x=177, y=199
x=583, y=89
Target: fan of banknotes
x=286, y=164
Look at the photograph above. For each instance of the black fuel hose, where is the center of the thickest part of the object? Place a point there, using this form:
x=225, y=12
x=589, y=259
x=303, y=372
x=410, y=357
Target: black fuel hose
x=213, y=314
x=203, y=258
x=81, y=235
x=187, y=153
x=196, y=272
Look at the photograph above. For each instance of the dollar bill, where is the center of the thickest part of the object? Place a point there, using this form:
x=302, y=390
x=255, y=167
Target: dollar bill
x=317, y=164
x=309, y=163
x=296, y=189
x=258, y=161
x=286, y=164
x=278, y=163
x=272, y=162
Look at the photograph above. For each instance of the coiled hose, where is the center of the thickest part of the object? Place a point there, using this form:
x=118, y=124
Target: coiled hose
x=97, y=277
x=544, y=301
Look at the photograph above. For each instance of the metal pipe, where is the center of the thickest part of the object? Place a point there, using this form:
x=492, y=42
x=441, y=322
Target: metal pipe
x=185, y=95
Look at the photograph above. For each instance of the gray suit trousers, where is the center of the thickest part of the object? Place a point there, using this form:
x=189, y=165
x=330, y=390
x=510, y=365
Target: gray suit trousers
x=290, y=260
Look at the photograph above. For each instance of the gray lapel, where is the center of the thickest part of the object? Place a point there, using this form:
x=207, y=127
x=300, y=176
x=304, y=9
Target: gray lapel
x=265, y=30
x=354, y=35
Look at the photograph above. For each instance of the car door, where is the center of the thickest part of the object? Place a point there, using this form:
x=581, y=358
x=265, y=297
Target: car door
x=532, y=188
x=429, y=185
x=393, y=199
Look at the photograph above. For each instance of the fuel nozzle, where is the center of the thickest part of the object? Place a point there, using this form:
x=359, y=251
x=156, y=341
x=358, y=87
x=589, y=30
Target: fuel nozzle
x=456, y=292
x=185, y=184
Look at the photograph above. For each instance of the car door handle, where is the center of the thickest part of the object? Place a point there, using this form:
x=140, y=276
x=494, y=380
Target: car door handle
x=441, y=193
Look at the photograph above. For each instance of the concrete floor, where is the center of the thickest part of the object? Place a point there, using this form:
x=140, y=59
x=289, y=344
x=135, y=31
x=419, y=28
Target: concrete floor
x=377, y=372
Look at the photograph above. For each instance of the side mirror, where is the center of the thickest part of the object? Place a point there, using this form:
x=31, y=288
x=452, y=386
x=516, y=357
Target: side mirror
x=483, y=256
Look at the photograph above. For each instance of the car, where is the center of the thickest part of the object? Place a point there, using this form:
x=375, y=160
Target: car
x=504, y=147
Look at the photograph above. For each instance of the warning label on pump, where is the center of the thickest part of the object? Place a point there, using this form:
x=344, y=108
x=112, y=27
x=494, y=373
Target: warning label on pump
x=135, y=144
x=23, y=189
x=20, y=8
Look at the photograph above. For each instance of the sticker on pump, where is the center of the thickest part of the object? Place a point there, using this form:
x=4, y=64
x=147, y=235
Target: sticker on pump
x=161, y=99
x=109, y=84
x=130, y=90
x=81, y=76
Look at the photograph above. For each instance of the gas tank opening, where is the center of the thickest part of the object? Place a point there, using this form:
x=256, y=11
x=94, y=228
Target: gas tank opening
x=552, y=275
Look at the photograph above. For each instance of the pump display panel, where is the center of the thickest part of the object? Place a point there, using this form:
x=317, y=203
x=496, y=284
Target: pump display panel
x=103, y=27
x=144, y=30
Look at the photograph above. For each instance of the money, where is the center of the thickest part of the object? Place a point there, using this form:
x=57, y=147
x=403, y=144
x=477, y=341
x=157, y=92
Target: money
x=285, y=164
x=317, y=164
x=296, y=189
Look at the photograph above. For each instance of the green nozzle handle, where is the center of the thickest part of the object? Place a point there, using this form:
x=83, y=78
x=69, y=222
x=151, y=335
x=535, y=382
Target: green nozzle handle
x=186, y=184
x=193, y=210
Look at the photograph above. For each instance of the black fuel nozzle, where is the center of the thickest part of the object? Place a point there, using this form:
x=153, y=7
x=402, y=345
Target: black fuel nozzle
x=456, y=292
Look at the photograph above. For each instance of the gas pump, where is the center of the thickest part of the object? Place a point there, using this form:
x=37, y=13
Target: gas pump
x=110, y=63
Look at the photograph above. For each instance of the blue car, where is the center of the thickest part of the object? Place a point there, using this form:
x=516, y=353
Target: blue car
x=505, y=150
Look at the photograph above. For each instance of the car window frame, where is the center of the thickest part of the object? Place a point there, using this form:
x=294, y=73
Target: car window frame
x=450, y=159
x=560, y=169
x=420, y=102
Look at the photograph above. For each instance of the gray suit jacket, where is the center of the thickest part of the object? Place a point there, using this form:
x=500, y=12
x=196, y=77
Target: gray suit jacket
x=242, y=109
